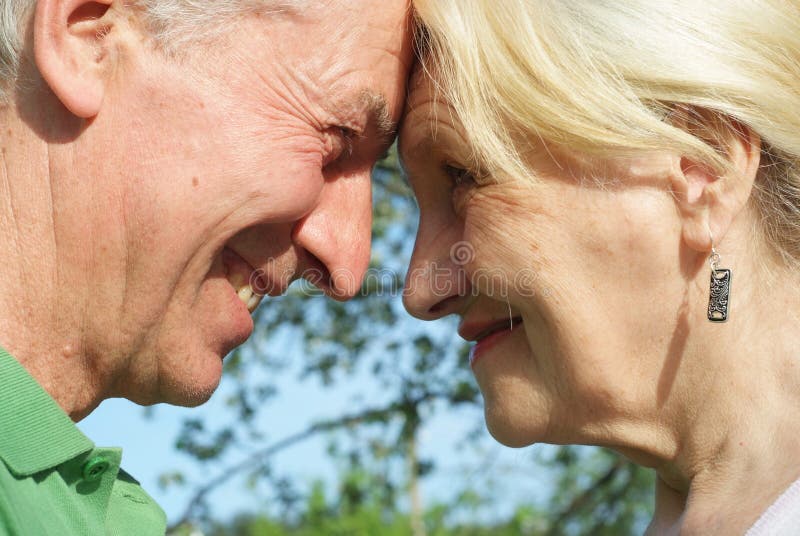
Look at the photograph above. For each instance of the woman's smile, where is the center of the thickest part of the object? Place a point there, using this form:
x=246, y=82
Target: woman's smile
x=489, y=336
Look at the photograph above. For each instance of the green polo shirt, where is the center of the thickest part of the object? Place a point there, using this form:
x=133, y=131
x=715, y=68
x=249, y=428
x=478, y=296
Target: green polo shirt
x=53, y=481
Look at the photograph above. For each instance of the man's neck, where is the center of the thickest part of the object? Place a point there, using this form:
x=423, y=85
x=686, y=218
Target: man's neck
x=35, y=326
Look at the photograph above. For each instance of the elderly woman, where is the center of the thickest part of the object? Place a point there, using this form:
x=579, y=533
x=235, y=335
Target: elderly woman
x=594, y=175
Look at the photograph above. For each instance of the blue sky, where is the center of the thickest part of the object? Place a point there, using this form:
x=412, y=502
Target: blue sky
x=148, y=448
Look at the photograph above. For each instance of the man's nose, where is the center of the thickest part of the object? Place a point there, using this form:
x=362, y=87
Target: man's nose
x=335, y=237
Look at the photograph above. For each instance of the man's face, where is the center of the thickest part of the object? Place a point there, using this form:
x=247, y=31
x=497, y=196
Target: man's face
x=247, y=161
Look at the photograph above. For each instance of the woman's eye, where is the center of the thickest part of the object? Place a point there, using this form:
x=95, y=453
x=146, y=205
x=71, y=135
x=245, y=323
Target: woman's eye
x=459, y=176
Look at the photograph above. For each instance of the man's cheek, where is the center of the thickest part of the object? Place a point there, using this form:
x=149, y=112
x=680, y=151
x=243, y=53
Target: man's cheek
x=293, y=198
x=285, y=190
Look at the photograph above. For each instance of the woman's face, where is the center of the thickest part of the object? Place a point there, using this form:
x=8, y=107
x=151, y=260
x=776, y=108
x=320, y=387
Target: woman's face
x=571, y=280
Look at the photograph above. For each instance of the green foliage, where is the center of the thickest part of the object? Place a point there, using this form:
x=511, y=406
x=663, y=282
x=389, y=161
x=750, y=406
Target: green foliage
x=599, y=492
x=369, y=516
x=420, y=370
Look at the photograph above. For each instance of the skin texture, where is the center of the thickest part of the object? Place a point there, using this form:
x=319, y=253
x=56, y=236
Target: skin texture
x=125, y=174
x=612, y=346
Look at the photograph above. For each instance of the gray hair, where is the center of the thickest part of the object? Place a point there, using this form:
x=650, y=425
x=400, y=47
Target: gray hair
x=12, y=12
x=172, y=23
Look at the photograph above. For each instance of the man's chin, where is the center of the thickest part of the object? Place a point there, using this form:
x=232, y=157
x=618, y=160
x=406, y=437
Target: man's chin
x=184, y=386
x=198, y=391
x=192, y=397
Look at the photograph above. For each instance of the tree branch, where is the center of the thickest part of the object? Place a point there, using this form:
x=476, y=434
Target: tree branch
x=371, y=415
x=584, y=498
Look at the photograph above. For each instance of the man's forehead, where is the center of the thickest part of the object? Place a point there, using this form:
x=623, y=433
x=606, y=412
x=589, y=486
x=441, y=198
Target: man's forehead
x=358, y=81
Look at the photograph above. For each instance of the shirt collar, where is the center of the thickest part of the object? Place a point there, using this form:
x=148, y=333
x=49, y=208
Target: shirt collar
x=36, y=434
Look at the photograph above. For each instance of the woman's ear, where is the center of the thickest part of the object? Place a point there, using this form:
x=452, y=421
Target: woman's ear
x=70, y=50
x=707, y=200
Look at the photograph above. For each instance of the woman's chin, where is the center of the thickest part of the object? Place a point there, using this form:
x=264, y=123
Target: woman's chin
x=516, y=425
x=516, y=402
x=509, y=437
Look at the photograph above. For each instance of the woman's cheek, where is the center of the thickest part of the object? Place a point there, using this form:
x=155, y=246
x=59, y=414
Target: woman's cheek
x=502, y=229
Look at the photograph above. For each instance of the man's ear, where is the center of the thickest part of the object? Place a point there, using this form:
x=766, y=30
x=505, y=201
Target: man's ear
x=707, y=200
x=69, y=46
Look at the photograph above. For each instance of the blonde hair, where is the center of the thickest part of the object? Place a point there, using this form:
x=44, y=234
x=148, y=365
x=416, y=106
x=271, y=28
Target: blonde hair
x=603, y=76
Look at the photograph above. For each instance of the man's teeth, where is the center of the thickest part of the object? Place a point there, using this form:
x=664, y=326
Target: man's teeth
x=249, y=298
x=253, y=302
x=245, y=293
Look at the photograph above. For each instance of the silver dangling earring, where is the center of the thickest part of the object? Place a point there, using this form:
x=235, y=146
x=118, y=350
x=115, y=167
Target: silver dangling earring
x=720, y=287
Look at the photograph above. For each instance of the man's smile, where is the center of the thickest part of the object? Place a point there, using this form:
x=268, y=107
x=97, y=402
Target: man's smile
x=243, y=278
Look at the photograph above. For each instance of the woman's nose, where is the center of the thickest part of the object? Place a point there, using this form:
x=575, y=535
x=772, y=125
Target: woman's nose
x=336, y=236
x=437, y=284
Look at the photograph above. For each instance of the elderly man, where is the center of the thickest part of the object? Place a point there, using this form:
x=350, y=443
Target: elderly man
x=163, y=163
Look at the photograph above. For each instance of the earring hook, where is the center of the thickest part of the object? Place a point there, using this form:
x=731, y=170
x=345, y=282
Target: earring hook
x=714, y=258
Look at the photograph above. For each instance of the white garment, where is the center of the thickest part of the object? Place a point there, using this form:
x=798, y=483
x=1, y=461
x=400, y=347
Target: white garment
x=782, y=518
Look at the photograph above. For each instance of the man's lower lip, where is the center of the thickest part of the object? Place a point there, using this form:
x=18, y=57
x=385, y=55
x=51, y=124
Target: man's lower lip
x=238, y=320
x=486, y=344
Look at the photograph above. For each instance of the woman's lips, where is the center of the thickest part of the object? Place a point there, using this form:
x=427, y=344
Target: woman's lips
x=487, y=335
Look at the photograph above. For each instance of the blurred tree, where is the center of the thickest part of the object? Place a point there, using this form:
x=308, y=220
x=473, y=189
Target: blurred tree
x=421, y=370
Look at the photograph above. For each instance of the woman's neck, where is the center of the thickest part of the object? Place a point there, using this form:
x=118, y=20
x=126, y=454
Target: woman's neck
x=735, y=421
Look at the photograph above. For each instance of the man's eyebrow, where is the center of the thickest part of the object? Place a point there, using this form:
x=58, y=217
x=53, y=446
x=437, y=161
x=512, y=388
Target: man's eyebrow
x=374, y=104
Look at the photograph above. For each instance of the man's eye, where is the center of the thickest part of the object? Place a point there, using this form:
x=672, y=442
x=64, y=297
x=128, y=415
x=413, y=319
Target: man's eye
x=459, y=176
x=348, y=138
x=339, y=144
